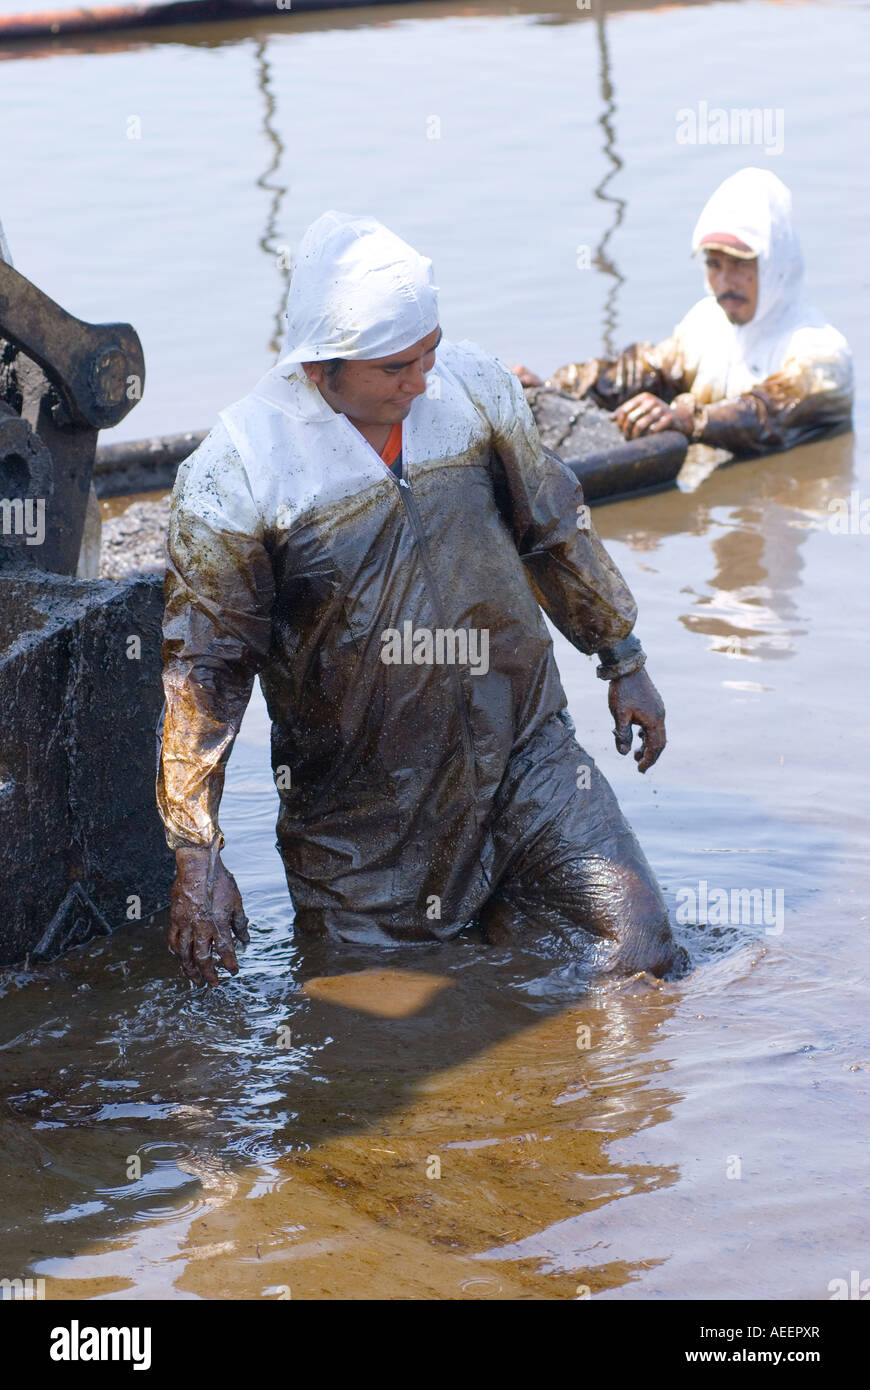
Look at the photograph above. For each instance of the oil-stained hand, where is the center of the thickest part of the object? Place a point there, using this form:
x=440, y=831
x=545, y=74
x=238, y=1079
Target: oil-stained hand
x=634, y=700
x=648, y=414
x=198, y=933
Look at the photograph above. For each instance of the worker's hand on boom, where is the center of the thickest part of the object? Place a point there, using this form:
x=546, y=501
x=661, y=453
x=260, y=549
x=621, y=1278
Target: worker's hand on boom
x=634, y=700
x=649, y=414
x=201, y=932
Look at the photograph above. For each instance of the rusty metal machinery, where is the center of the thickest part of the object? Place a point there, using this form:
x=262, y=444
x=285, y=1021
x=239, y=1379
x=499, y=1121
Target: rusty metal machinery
x=81, y=845
x=61, y=382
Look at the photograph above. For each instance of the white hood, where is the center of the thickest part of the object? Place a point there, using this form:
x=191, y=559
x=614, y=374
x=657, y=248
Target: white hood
x=357, y=291
x=755, y=206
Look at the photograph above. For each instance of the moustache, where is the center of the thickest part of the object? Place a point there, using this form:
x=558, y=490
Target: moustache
x=738, y=298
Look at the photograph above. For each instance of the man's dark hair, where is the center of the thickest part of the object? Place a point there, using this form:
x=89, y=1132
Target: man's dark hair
x=331, y=369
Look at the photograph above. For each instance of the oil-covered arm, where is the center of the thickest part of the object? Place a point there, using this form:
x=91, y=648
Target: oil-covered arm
x=663, y=370
x=217, y=631
x=574, y=579
x=576, y=582
x=807, y=397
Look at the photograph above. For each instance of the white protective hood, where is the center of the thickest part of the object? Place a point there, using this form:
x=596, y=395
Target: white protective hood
x=755, y=206
x=357, y=291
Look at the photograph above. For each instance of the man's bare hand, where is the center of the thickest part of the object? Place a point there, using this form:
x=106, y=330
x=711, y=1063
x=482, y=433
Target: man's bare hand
x=648, y=414
x=201, y=932
x=634, y=700
x=527, y=378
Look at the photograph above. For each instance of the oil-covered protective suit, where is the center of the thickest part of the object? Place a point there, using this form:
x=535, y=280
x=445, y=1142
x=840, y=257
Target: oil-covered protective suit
x=427, y=768
x=780, y=380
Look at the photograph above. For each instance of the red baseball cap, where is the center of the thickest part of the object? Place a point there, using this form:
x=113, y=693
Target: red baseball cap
x=727, y=242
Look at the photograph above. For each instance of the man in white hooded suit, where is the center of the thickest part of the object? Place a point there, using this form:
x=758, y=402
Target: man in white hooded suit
x=373, y=531
x=752, y=367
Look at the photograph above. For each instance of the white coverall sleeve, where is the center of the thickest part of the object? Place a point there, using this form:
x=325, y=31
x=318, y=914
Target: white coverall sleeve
x=219, y=592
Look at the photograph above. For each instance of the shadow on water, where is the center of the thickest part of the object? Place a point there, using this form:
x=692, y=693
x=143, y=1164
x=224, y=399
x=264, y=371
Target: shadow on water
x=305, y=1061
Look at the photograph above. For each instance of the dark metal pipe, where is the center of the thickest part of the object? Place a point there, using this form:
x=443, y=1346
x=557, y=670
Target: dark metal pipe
x=642, y=465
x=639, y=465
x=142, y=465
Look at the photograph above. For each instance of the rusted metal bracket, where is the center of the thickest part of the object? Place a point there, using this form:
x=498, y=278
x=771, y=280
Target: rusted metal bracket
x=66, y=380
x=91, y=365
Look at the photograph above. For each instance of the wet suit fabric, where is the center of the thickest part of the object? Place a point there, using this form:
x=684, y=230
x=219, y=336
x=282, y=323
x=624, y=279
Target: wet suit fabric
x=430, y=786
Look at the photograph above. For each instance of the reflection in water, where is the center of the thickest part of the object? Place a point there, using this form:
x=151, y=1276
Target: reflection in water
x=278, y=255
x=602, y=261
x=758, y=514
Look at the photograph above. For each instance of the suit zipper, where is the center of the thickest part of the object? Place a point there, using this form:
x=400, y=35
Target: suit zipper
x=410, y=504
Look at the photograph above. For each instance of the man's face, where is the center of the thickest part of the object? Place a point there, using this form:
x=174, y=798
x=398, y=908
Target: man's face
x=735, y=284
x=380, y=391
